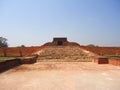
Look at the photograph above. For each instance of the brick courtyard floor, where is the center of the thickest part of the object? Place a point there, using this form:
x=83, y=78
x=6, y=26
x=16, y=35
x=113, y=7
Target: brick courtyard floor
x=61, y=76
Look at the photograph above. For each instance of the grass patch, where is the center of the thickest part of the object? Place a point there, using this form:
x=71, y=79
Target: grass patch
x=6, y=58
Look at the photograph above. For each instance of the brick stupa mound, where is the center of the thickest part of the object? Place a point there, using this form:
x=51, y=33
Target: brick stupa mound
x=62, y=50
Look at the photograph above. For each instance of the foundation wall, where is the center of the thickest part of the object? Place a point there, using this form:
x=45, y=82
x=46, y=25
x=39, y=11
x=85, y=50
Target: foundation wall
x=8, y=64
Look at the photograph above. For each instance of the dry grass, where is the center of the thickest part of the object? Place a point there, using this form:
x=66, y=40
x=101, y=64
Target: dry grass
x=6, y=58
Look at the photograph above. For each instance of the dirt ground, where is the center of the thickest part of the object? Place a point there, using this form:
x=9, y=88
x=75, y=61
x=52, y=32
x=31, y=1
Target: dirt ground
x=61, y=76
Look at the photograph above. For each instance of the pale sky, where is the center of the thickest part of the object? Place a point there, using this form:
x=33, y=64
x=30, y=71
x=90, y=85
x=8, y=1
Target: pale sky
x=35, y=22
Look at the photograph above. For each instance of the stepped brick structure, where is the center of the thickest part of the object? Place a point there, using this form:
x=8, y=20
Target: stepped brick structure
x=62, y=50
x=65, y=54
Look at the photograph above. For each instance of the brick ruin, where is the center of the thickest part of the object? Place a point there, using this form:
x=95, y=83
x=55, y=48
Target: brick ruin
x=60, y=41
x=60, y=50
x=57, y=41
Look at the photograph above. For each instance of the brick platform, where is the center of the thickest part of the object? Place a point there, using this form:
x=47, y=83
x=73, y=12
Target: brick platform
x=101, y=60
x=8, y=64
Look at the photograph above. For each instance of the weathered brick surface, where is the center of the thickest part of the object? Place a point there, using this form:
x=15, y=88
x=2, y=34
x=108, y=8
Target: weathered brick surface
x=101, y=60
x=5, y=65
x=65, y=54
x=1, y=52
x=103, y=50
x=18, y=51
x=114, y=61
x=29, y=60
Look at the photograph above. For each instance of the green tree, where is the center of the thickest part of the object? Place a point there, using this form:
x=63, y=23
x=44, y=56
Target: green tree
x=22, y=46
x=3, y=42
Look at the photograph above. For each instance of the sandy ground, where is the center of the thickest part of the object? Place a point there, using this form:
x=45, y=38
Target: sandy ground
x=61, y=76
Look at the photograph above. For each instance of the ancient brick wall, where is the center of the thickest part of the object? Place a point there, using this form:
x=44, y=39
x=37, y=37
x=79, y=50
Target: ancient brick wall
x=19, y=51
x=114, y=61
x=8, y=64
x=103, y=50
x=5, y=65
x=26, y=51
x=101, y=60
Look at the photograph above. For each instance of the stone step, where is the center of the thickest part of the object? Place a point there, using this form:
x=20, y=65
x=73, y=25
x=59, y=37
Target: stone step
x=63, y=57
x=65, y=60
x=64, y=53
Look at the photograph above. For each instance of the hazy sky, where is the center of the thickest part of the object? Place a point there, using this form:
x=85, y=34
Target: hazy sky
x=35, y=22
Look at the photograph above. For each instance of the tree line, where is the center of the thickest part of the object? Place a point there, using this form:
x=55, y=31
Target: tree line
x=3, y=42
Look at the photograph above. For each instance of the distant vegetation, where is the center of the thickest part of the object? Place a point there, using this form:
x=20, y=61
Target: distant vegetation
x=3, y=42
x=92, y=45
x=22, y=45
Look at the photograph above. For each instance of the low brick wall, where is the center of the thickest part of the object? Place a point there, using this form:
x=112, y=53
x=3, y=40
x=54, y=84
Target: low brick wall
x=101, y=60
x=8, y=64
x=114, y=61
x=28, y=60
x=104, y=60
x=5, y=65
